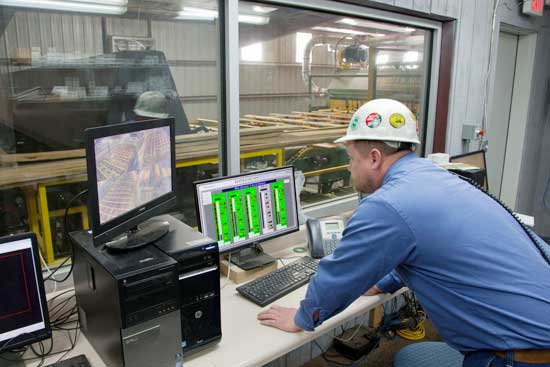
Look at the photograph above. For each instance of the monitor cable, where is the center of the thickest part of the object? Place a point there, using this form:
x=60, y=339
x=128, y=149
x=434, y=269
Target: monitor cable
x=65, y=239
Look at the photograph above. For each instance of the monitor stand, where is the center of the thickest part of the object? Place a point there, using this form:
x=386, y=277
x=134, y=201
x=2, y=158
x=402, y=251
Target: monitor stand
x=251, y=258
x=141, y=235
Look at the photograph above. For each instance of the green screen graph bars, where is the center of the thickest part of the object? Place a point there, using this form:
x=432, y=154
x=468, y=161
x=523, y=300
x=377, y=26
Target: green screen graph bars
x=252, y=214
x=236, y=213
x=237, y=216
x=219, y=206
x=278, y=190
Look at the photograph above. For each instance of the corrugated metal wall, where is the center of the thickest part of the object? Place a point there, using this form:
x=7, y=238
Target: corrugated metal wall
x=274, y=85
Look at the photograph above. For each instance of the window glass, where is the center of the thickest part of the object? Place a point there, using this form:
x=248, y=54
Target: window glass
x=313, y=71
x=69, y=65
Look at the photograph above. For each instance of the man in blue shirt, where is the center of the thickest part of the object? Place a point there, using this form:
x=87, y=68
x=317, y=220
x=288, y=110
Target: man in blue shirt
x=478, y=275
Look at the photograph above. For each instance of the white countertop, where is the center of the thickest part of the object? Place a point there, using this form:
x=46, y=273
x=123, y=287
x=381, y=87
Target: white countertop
x=244, y=342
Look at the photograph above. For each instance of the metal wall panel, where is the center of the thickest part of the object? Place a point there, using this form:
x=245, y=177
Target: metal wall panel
x=422, y=5
x=408, y=4
x=439, y=7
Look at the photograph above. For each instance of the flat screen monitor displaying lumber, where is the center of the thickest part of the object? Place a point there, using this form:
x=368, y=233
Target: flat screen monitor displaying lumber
x=131, y=178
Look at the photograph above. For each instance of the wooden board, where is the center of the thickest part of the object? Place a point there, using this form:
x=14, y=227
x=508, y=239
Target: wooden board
x=238, y=275
x=271, y=133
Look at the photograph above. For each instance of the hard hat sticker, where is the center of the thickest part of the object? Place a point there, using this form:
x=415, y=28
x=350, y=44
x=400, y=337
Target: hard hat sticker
x=354, y=123
x=397, y=120
x=373, y=120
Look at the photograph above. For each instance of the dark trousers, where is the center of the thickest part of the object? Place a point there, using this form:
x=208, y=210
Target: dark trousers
x=488, y=359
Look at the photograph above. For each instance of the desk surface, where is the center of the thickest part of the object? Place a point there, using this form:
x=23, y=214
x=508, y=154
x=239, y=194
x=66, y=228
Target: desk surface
x=245, y=342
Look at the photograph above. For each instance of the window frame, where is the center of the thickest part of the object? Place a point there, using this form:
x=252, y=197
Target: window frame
x=230, y=152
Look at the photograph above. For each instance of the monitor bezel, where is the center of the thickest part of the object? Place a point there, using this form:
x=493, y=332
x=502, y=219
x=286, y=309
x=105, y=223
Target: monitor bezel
x=42, y=334
x=102, y=233
x=249, y=242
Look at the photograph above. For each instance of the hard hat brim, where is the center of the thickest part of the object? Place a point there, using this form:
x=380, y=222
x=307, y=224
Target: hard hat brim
x=346, y=138
x=150, y=114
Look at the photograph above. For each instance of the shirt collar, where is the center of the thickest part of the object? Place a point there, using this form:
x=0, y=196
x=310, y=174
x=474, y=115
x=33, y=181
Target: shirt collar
x=398, y=166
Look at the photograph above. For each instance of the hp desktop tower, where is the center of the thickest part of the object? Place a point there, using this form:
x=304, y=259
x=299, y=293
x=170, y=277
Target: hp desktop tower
x=199, y=282
x=128, y=303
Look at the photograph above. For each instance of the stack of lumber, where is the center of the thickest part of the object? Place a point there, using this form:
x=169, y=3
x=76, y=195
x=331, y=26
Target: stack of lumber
x=257, y=133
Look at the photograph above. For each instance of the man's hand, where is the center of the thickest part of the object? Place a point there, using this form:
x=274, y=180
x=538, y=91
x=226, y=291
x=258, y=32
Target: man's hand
x=374, y=290
x=280, y=318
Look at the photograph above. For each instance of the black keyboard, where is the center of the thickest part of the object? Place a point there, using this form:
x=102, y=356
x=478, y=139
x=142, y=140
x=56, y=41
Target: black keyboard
x=76, y=361
x=272, y=286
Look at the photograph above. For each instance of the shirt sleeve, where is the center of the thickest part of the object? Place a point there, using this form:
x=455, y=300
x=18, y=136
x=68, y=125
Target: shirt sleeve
x=375, y=241
x=390, y=283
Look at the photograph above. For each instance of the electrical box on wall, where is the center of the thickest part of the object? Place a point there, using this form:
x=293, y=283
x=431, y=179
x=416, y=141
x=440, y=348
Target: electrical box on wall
x=533, y=7
x=471, y=132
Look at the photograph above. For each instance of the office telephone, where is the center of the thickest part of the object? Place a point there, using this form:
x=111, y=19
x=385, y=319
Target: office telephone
x=323, y=235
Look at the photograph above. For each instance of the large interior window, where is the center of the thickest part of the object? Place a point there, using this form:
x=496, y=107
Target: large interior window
x=313, y=71
x=69, y=65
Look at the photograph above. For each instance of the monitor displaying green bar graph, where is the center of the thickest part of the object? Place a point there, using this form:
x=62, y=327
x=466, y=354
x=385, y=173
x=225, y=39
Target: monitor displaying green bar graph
x=243, y=210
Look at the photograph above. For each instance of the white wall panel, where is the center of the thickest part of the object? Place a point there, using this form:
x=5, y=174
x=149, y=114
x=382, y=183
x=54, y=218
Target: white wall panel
x=439, y=7
x=422, y=5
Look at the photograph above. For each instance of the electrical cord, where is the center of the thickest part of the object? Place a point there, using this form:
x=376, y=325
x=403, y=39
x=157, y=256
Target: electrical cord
x=60, y=316
x=65, y=239
x=407, y=322
x=483, y=142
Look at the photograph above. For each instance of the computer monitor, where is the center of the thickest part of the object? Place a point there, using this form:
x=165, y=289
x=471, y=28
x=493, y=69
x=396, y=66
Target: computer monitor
x=241, y=211
x=477, y=159
x=131, y=178
x=23, y=309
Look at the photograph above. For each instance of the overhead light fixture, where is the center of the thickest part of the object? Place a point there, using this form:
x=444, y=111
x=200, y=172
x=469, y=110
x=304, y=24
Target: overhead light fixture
x=190, y=13
x=411, y=56
x=375, y=25
x=340, y=30
x=263, y=9
x=253, y=19
x=348, y=21
x=115, y=7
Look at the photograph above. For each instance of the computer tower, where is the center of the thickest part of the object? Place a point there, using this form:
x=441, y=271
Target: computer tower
x=128, y=303
x=199, y=282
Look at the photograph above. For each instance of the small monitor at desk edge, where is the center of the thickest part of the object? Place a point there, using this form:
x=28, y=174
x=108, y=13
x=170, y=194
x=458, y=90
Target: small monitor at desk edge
x=131, y=178
x=240, y=211
x=23, y=312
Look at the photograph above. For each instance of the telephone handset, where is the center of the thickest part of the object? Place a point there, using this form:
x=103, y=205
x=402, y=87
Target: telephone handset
x=323, y=235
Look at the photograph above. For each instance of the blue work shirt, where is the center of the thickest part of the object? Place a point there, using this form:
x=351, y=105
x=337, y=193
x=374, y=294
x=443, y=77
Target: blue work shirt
x=479, y=277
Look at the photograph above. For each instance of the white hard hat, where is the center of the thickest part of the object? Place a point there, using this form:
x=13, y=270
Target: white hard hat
x=383, y=119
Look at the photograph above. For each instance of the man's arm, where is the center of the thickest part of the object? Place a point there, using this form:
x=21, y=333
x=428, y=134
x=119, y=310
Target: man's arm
x=375, y=242
x=390, y=283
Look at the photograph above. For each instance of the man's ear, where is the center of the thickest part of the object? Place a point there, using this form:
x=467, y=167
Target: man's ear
x=375, y=158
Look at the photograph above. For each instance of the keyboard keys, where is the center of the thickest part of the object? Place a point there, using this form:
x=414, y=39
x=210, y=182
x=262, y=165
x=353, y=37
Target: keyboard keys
x=272, y=286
